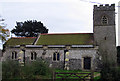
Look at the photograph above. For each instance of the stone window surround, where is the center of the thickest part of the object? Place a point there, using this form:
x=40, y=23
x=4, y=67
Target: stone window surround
x=56, y=52
x=82, y=61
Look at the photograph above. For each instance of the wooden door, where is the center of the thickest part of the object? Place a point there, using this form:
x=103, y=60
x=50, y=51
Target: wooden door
x=87, y=63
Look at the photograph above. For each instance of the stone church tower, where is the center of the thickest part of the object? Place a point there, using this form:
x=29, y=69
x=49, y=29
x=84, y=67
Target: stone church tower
x=104, y=32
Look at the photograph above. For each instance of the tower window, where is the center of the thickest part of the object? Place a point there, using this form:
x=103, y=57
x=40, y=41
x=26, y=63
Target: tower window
x=33, y=55
x=105, y=38
x=56, y=56
x=14, y=55
x=104, y=20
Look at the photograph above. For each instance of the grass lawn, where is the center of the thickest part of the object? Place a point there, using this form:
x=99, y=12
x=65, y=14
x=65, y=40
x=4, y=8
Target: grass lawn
x=96, y=74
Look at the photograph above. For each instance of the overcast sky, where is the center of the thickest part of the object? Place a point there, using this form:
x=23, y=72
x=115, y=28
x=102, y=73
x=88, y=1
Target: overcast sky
x=68, y=16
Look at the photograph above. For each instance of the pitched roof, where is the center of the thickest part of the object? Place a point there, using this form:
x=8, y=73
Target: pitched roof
x=66, y=39
x=20, y=41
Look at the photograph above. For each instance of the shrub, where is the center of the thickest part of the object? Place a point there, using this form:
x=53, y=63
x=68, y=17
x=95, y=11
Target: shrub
x=10, y=69
x=109, y=73
x=40, y=67
x=26, y=72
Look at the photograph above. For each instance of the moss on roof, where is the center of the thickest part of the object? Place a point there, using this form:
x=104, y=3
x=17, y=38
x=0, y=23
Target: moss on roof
x=20, y=41
x=66, y=39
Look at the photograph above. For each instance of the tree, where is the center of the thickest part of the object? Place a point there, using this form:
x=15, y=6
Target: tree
x=38, y=69
x=4, y=33
x=118, y=55
x=109, y=70
x=29, y=28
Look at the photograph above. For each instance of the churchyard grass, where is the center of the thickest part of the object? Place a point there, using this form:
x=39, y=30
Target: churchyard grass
x=96, y=74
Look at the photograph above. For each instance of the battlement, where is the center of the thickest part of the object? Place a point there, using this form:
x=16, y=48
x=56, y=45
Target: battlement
x=105, y=7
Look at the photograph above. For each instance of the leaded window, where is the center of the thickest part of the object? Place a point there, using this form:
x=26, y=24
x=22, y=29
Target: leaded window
x=33, y=55
x=56, y=56
x=14, y=55
x=104, y=20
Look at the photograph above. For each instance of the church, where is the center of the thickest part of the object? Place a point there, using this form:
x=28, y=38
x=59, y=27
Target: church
x=70, y=51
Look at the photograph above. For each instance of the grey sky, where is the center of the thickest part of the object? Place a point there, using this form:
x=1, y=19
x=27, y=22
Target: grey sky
x=57, y=15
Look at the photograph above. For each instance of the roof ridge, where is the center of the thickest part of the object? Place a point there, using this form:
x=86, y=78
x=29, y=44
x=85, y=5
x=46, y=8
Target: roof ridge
x=63, y=33
x=24, y=37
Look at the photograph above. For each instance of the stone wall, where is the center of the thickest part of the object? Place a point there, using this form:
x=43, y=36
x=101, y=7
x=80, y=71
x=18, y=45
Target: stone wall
x=76, y=56
x=75, y=64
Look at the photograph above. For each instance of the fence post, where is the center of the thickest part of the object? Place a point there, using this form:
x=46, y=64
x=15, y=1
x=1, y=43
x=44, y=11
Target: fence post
x=54, y=76
x=92, y=75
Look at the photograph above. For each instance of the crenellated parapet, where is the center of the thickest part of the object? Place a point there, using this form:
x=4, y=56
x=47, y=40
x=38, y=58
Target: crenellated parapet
x=104, y=7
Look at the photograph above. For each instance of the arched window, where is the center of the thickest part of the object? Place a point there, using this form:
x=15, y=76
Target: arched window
x=33, y=55
x=14, y=55
x=56, y=56
x=104, y=20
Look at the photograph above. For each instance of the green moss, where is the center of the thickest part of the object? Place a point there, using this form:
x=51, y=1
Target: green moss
x=20, y=41
x=66, y=39
x=54, y=39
